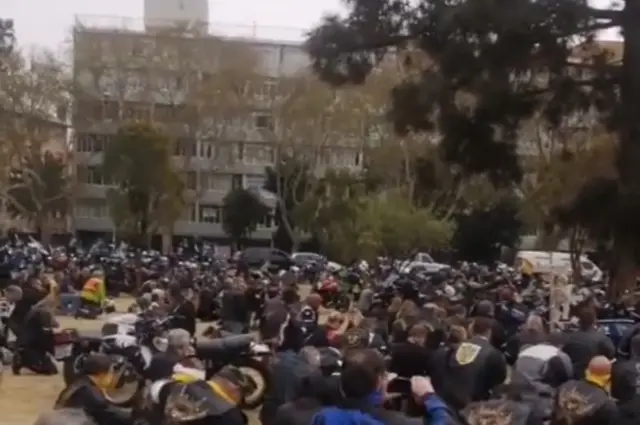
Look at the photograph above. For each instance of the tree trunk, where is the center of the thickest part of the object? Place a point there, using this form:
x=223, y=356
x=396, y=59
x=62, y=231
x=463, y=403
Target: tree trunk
x=624, y=248
x=167, y=241
x=623, y=272
x=576, y=245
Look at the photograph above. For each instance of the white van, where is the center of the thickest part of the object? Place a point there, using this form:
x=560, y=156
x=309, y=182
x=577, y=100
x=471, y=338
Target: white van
x=545, y=262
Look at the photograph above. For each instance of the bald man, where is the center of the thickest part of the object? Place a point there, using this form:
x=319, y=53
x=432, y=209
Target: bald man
x=586, y=401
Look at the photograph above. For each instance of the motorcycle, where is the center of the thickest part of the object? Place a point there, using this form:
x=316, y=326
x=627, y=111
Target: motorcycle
x=132, y=353
x=242, y=351
x=193, y=403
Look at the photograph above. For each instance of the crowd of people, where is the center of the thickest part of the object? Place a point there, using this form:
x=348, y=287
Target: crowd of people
x=391, y=357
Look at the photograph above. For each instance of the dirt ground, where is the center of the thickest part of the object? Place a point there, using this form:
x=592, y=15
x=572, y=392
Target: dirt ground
x=23, y=398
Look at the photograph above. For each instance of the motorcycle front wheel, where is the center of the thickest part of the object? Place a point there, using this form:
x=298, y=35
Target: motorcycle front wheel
x=256, y=373
x=126, y=385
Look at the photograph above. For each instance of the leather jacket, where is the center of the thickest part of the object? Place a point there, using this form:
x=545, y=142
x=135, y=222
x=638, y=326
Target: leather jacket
x=84, y=394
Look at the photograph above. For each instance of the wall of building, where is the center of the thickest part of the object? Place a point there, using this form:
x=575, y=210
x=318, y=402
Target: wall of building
x=213, y=165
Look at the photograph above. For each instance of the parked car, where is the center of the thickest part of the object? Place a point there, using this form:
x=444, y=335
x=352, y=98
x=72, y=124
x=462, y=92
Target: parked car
x=424, y=262
x=302, y=259
x=257, y=257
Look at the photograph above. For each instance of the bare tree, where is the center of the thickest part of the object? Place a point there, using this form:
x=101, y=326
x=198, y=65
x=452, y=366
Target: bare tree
x=34, y=100
x=316, y=128
x=557, y=162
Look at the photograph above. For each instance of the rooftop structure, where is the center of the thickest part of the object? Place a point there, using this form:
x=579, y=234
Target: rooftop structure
x=251, y=33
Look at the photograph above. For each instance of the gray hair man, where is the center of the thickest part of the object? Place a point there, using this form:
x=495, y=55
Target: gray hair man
x=180, y=346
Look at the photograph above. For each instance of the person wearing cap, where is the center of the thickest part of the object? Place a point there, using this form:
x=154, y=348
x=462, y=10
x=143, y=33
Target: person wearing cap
x=87, y=392
x=94, y=294
x=361, y=395
x=586, y=401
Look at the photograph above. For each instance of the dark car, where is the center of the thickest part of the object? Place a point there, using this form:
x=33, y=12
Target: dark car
x=257, y=257
x=302, y=259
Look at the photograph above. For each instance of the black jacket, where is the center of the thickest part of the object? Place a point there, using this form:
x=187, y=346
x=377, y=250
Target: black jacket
x=582, y=346
x=84, y=394
x=286, y=376
x=625, y=377
x=185, y=317
x=467, y=372
x=409, y=359
x=579, y=402
x=496, y=411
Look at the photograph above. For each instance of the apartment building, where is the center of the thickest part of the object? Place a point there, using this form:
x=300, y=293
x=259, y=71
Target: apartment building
x=126, y=69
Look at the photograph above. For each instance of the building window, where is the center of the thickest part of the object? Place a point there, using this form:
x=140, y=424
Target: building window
x=111, y=110
x=92, y=208
x=236, y=181
x=210, y=214
x=258, y=154
x=228, y=153
x=89, y=109
x=267, y=222
x=185, y=147
x=191, y=180
x=215, y=181
x=263, y=121
x=189, y=214
x=164, y=113
x=92, y=143
x=207, y=150
x=136, y=111
x=81, y=142
x=95, y=176
x=264, y=90
x=254, y=181
x=99, y=141
x=91, y=175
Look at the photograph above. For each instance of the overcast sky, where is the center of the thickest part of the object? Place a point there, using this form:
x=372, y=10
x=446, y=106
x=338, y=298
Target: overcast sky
x=48, y=23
